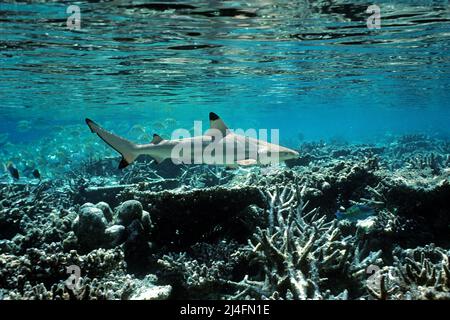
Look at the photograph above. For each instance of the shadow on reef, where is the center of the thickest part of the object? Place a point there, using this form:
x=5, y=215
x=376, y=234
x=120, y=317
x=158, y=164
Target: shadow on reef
x=426, y=214
x=204, y=232
x=207, y=215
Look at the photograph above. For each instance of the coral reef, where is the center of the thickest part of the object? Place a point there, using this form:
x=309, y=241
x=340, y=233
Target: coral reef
x=300, y=254
x=422, y=273
x=204, y=271
x=202, y=232
x=185, y=217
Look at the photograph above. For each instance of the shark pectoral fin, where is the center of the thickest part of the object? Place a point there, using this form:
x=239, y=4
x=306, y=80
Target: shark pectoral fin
x=247, y=162
x=157, y=159
x=177, y=161
x=231, y=166
x=263, y=152
x=123, y=163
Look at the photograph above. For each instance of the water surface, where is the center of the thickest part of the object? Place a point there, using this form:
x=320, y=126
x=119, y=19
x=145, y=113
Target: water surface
x=311, y=68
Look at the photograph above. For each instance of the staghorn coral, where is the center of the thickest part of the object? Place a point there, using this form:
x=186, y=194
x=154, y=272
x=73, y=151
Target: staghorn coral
x=42, y=276
x=41, y=266
x=200, y=176
x=422, y=273
x=38, y=268
x=431, y=161
x=297, y=251
x=204, y=270
x=112, y=287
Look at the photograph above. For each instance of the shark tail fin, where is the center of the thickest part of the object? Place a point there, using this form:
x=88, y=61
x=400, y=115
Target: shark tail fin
x=127, y=149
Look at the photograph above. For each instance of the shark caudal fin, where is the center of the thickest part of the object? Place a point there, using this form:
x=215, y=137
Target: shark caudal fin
x=127, y=149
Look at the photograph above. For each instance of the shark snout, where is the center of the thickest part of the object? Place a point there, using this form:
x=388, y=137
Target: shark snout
x=292, y=154
x=289, y=154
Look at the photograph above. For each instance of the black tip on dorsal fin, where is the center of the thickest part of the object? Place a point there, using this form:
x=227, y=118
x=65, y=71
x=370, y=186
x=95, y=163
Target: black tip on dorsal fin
x=216, y=123
x=123, y=163
x=213, y=116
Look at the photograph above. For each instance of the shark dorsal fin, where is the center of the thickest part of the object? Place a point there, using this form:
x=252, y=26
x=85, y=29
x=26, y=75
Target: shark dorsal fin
x=156, y=139
x=217, y=123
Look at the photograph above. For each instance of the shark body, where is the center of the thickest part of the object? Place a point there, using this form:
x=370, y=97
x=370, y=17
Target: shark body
x=218, y=145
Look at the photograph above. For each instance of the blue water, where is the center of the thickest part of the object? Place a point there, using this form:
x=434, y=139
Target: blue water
x=311, y=69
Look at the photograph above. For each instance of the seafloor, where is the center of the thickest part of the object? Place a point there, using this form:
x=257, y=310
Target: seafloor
x=200, y=232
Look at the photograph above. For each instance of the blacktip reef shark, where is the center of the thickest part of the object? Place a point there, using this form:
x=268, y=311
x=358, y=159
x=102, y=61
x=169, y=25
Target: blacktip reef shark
x=219, y=145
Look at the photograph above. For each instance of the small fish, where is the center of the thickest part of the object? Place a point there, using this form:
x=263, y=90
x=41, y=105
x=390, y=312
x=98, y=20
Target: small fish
x=23, y=126
x=36, y=174
x=13, y=170
x=355, y=213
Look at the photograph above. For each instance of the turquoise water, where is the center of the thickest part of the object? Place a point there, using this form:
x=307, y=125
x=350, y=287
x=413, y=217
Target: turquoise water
x=312, y=69
x=358, y=213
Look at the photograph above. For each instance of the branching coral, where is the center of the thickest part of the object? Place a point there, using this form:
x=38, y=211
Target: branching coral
x=298, y=250
x=200, y=176
x=42, y=275
x=421, y=273
x=431, y=161
x=112, y=287
x=199, y=235
x=204, y=271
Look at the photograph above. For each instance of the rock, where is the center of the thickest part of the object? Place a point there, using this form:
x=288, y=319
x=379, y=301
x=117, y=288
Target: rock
x=103, y=206
x=6, y=246
x=366, y=225
x=70, y=242
x=135, y=231
x=75, y=223
x=106, y=209
x=146, y=221
x=18, y=239
x=90, y=227
x=325, y=185
x=136, y=247
x=128, y=211
x=115, y=234
x=87, y=205
x=153, y=293
x=184, y=217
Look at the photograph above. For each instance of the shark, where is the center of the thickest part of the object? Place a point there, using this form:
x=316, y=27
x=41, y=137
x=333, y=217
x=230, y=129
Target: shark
x=218, y=145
